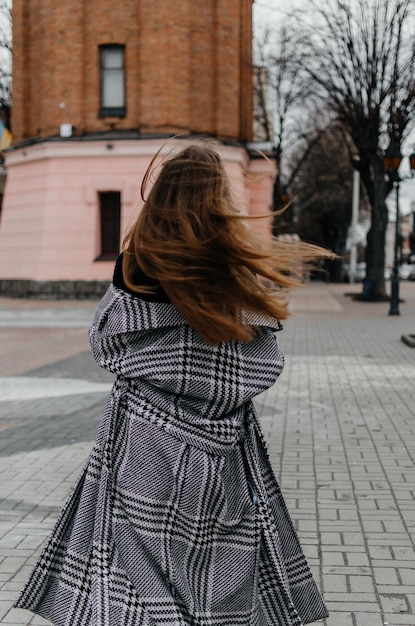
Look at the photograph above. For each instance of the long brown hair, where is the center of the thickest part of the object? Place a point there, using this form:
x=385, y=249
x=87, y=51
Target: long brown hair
x=190, y=237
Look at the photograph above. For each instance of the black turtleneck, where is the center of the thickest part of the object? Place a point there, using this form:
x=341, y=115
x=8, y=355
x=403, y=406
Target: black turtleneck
x=139, y=278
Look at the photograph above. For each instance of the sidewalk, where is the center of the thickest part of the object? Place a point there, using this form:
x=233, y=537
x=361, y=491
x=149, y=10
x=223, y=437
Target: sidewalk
x=340, y=426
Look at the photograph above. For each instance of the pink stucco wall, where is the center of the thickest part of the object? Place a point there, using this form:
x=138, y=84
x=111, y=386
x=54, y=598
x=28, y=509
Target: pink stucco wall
x=49, y=225
x=259, y=185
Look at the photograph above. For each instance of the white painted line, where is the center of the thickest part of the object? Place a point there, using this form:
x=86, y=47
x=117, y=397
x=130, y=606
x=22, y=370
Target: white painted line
x=30, y=388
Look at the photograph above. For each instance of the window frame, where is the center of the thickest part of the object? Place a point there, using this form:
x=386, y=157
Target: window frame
x=108, y=111
x=111, y=252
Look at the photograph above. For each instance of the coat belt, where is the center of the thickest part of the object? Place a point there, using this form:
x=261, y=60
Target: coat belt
x=217, y=437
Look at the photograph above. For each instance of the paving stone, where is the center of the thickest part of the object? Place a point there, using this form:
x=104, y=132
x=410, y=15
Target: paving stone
x=335, y=583
x=4, y=608
x=340, y=619
x=395, y=589
x=11, y=564
x=359, y=558
x=407, y=575
x=39, y=621
x=386, y=576
x=368, y=619
x=361, y=583
x=404, y=554
x=400, y=619
x=394, y=603
x=340, y=426
x=353, y=597
x=18, y=617
x=333, y=558
x=350, y=606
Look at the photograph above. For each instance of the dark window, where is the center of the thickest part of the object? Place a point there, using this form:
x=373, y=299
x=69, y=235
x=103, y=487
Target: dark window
x=112, y=102
x=110, y=216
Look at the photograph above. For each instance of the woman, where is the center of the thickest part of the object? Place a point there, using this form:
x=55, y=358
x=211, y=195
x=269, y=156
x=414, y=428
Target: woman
x=177, y=519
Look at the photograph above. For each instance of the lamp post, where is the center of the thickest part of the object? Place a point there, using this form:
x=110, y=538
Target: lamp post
x=355, y=217
x=391, y=162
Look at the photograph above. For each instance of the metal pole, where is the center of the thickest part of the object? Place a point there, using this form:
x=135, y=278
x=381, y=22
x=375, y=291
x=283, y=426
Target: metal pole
x=353, y=229
x=394, y=301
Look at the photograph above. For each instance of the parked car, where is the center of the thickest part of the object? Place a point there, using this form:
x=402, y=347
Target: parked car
x=405, y=270
x=360, y=273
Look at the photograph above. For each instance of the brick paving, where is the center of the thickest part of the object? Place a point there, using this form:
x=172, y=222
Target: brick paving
x=340, y=426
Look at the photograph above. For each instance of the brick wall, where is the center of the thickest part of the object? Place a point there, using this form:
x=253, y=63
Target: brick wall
x=188, y=66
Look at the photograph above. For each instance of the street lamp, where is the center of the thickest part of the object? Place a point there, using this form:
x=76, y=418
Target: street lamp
x=391, y=162
x=355, y=217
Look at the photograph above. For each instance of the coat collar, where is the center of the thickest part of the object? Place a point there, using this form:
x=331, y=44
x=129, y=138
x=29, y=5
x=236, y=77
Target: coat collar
x=146, y=315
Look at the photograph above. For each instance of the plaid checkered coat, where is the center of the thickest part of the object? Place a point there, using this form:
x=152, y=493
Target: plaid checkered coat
x=177, y=519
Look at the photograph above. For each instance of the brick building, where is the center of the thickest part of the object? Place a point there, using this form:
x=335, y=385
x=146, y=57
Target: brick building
x=98, y=87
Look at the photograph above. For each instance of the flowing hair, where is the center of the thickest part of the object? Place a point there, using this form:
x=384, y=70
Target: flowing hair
x=190, y=238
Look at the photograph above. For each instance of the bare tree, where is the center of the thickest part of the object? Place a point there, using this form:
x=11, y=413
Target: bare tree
x=5, y=73
x=263, y=130
x=278, y=97
x=360, y=56
x=5, y=54
x=322, y=194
